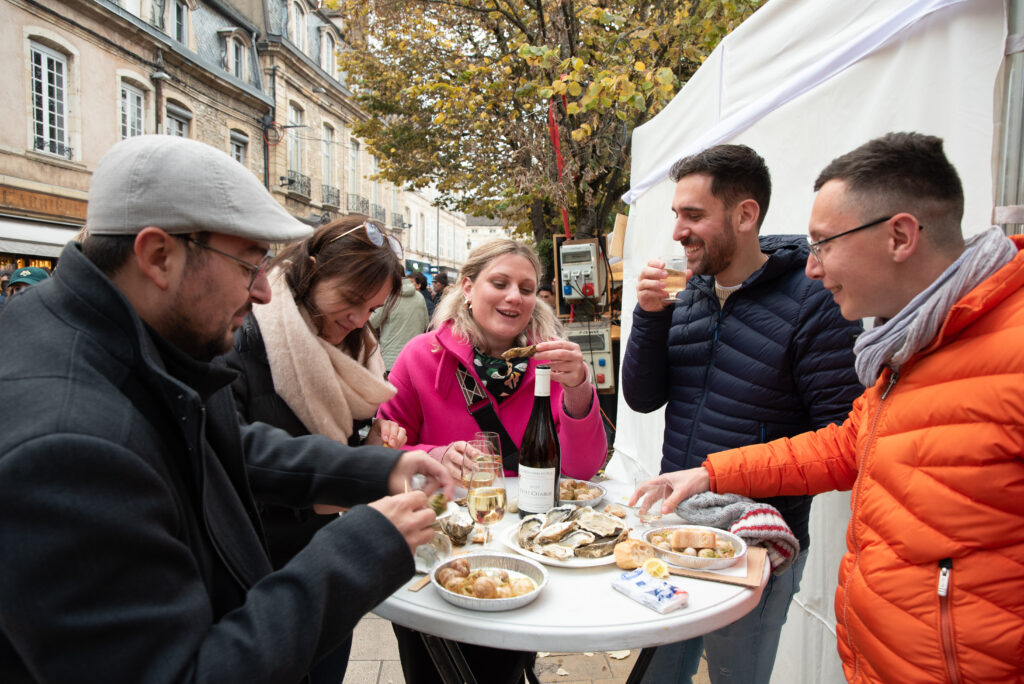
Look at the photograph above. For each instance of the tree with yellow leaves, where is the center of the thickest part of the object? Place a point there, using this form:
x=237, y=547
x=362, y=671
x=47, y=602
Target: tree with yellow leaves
x=464, y=95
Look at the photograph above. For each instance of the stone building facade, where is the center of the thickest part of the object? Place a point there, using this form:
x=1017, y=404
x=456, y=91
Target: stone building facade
x=257, y=79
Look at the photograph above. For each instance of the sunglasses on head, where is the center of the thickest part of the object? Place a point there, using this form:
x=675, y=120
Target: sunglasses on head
x=377, y=237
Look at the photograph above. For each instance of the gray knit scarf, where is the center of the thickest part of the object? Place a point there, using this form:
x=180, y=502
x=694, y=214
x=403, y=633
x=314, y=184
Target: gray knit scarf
x=917, y=324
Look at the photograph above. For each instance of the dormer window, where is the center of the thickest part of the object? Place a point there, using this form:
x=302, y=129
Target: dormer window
x=235, y=55
x=238, y=59
x=298, y=33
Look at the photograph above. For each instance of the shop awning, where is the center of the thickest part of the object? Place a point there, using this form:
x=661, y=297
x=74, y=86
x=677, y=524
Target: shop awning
x=34, y=238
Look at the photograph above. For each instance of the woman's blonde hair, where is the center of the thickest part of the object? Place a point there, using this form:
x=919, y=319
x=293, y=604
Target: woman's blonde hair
x=543, y=324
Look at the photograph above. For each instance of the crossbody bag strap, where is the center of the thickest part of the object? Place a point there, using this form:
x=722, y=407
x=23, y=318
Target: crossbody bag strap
x=479, y=406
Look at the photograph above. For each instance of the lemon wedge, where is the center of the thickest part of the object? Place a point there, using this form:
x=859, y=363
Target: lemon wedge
x=655, y=567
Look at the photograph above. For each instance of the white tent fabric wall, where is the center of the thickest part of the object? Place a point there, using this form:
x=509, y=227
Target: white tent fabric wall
x=803, y=81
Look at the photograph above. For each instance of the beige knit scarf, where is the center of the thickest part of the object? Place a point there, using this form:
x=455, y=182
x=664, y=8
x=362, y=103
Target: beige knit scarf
x=326, y=388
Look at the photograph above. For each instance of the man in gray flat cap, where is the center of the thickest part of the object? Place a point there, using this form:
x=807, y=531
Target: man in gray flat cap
x=132, y=546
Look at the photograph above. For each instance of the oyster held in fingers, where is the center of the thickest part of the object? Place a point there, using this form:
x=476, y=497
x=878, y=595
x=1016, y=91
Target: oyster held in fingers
x=519, y=352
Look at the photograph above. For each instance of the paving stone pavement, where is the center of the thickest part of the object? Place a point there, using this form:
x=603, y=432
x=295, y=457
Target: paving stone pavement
x=374, y=660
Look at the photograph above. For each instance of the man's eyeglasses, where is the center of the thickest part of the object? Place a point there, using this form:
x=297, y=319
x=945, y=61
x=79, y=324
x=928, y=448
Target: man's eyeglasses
x=377, y=237
x=254, y=269
x=815, y=246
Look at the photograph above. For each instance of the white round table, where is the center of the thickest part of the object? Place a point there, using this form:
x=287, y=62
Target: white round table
x=578, y=610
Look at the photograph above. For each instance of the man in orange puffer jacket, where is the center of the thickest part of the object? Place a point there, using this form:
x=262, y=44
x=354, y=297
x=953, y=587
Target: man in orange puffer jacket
x=931, y=588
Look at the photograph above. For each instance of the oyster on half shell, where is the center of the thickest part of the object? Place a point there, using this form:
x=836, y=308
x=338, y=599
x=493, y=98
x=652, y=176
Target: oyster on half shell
x=554, y=532
x=601, y=524
x=457, y=525
x=601, y=547
x=529, y=528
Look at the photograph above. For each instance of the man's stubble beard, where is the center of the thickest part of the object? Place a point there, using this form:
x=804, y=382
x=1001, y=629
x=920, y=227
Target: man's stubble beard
x=718, y=253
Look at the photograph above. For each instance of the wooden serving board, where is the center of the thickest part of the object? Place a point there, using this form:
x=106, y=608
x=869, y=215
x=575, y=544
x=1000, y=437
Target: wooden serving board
x=756, y=557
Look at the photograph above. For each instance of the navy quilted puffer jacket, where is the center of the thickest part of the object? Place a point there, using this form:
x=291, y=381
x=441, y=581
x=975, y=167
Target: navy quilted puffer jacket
x=775, y=362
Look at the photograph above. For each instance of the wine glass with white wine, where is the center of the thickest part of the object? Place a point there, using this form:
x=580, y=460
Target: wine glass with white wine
x=486, y=499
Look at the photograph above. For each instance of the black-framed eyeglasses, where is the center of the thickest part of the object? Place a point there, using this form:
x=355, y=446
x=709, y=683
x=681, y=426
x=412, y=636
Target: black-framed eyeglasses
x=816, y=245
x=255, y=269
x=377, y=237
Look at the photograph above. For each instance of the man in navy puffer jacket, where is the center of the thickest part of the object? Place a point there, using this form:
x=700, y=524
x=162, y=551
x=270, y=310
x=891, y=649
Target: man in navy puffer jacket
x=752, y=350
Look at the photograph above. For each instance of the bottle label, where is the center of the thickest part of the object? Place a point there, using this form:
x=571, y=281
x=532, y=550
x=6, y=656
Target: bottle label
x=537, y=490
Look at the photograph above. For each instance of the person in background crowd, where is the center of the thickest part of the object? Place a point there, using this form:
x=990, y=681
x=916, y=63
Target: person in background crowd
x=439, y=374
x=750, y=351
x=402, y=322
x=5, y=278
x=24, y=278
x=420, y=281
x=931, y=587
x=308, y=364
x=128, y=485
x=439, y=285
x=546, y=295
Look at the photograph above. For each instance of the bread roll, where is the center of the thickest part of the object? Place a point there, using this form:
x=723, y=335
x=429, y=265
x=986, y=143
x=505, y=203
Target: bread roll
x=632, y=553
x=698, y=539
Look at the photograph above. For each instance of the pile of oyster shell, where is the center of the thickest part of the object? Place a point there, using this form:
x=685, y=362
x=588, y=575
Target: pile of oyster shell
x=570, y=531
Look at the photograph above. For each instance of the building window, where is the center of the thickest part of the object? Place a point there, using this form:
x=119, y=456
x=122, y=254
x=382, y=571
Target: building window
x=181, y=22
x=179, y=120
x=328, y=158
x=239, y=144
x=49, y=101
x=239, y=58
x=132, y=107
x=353, y=167
x=156, y=13
x=376, y=183
x=299, y=26
x=330, y=56
x=294, y=139
x=133, y=6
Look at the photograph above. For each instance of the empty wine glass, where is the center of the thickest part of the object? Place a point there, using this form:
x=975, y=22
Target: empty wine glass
x=486, y=499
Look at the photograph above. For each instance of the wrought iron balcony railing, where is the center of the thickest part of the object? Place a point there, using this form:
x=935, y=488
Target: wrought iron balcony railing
x=298, y=183
x=330, y=195
x=358, y=204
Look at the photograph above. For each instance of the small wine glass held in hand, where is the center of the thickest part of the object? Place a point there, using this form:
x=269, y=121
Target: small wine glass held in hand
x=494, y=439
x=477, y=451
x=486, y=499
x=648, y=508
x=675, y=267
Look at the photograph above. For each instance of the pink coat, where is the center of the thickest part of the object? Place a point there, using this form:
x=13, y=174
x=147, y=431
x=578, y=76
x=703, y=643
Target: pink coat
x=430, y=406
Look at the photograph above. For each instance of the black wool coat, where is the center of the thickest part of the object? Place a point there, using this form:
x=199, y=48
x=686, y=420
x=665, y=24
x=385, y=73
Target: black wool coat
x=131, y=544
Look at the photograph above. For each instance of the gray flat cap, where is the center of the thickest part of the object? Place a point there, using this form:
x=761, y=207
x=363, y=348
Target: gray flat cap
x=183, y=186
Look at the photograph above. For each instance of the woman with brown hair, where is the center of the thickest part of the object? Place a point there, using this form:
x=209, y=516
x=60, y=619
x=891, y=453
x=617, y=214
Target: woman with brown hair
x=309, y=364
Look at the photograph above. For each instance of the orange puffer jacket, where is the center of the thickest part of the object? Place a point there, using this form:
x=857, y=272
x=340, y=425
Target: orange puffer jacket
x=931, y=588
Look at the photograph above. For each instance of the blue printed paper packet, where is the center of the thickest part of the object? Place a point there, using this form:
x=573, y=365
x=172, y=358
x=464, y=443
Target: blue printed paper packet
x=656, y=594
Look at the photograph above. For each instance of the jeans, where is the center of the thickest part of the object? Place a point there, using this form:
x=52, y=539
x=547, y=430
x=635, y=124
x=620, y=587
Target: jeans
x=740, y=653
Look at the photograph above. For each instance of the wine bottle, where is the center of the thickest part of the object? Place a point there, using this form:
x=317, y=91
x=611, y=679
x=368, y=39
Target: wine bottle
x=540, y=458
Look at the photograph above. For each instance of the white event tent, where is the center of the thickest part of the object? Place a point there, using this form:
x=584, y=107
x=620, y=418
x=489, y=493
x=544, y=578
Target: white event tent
x=803, y=81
